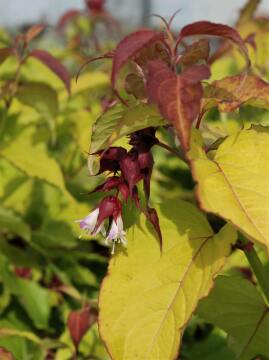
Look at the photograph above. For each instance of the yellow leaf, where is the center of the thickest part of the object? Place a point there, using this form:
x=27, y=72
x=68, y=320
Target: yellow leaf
x=149, y=294
x=233, y=182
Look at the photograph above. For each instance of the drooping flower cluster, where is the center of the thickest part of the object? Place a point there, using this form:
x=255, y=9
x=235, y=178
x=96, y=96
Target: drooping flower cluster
x=109, y=208
x=126, y=169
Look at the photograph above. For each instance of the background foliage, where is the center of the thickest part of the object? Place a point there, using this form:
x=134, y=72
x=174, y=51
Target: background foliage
x=51, y=274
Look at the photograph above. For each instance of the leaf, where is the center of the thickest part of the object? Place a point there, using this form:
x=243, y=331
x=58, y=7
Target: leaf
x=40, y=96
x=149, y=294
x=236, y=306
x=197, y=51
x=233, y=91
x=130, y=46
x=33, y=32
x=79, y=323
x=120, y=121
x=5, y=355
x=5, y=53
x=232, y=181
x=134, y=85
x=33, y=298
x=178, y=96
x=248, y=11
x=206, y=349
x=13, y=223
x=214, y=29
x=53, y=64
x=67, y=17
x=33, y=159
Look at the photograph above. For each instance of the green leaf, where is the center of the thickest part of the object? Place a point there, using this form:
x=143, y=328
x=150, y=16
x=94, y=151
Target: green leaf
x=232, y=182
x=120, y=121
x=13, y=223
x=236, y=306
x=149, y=295
x=34, y=298
x=40, y=96
x=32, y=158
x=207, y=349
x=21, y=349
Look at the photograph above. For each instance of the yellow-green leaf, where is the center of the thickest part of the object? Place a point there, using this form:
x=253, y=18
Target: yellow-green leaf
x=120, y=121
x=233, y=181
x=32, y=158
x=40, y=96
x=149, y=295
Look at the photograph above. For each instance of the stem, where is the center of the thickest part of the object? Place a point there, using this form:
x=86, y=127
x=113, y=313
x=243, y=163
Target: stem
x=199, y=119
x=256, y=265
x=171, y=150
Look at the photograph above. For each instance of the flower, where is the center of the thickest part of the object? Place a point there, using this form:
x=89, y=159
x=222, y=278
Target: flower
x=109, y=208
x=89, y=223
x=116, y=233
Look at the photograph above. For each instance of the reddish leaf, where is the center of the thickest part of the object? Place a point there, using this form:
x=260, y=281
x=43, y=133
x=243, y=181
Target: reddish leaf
x=79, y=322
x=231, y=92
x=5, y=355
x=4, y=54
x=199, y=50
x=33, y=32
x=130, y=46
x=67, y=17
x=157, y=50
x=214, y=29
x=178, y=96
x=54, y=65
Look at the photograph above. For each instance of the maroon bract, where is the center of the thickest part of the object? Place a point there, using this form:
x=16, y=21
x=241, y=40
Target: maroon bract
x=110, y=159
x=95, y=5
x=130, y=169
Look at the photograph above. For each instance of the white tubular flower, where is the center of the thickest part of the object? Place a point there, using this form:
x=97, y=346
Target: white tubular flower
x=89, y=223
x=116, y=234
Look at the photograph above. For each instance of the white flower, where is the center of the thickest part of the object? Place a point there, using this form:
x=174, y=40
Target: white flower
x=89, y=223
x=116, y=233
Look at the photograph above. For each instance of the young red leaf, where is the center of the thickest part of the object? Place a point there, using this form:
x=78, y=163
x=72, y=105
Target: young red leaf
x=130, y=46
x=178, y=96
x=67, y=17
x=79, y=322
x=33, y=32
x=5, y=53
x=214, y=29
x=197, y=51
x=231, y=92
x=54, y=65
x=5, y=355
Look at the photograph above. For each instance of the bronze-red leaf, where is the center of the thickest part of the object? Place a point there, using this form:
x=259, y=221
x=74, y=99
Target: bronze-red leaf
x=79, y=322
x=5, y=355
x=33, y=32
x=54, y=65
x=67, y=17
x=130, y=46
x=178, y=96
x=214, y=29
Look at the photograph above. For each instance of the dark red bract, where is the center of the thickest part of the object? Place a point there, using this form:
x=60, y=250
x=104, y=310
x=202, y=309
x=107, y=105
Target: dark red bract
x=95, y=5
